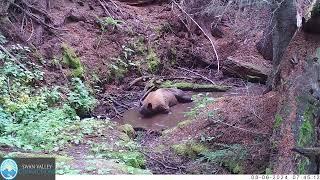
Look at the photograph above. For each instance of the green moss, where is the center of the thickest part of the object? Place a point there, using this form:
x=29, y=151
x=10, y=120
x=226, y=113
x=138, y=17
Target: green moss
x=169, y=131
x=159, y=148
x=132, y=170
x=315, y=10
x=172, y=55
x=235, y=168
x=127, y=129
x=181, y=149
x=197, y=148
x=70, y=58
x=268, y=171
x=130, y=158
x=125, y=153
x=139, y=45
x=306, y=136
x=194, y=86
x=124, y=137
x=306, y=133
x=117, y=72
x=278, y=121
x=59, y=158
x=153, y=61
x=274, y=145
x=79, y=72
x=303, y=164
x=189, y=149
x=184, y=123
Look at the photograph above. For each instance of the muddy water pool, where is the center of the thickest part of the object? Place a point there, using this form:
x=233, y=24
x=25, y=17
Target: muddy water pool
x=177, y=112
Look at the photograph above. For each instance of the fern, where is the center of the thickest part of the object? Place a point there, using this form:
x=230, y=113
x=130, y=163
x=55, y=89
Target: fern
x=230, y=156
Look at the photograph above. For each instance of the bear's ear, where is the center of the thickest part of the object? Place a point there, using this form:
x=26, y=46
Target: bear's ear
x=149, y=106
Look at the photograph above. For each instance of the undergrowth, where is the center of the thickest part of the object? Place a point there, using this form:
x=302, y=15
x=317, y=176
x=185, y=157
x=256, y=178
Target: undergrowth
x=33, y=117
x=201, y=102
x=72, y=61
x=230, y=156
x=122, y=65
x=124, y=152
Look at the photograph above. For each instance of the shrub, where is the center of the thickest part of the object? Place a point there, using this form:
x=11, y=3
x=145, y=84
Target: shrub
x=70, y=58
x=80, y=98
x=37, y=118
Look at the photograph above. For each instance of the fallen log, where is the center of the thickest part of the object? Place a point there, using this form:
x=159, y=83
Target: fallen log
x=195, y=87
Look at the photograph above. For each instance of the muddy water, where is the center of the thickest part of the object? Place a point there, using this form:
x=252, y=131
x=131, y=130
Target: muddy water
x=177, y=112
x=161, y=121
x=158, y=122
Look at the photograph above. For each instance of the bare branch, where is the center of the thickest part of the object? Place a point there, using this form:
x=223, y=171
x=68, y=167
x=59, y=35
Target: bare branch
x=105, y=8
x=236, y=127
x=203, y=77
x=203, y=31
x=13, y=58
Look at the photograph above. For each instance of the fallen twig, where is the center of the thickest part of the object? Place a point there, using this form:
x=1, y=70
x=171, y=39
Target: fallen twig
x=118, y=114
x=105, y=8
x=37, y=9
x=236, y=127
x=158, y=161
x=117, y=103
x=13, y=58
x=116, y=6
x=185, y=78
x=132, y=83
x=138, y=79
x=203, y=31
x=146, y=93
x=203, y=77
x=32, y=31
x=34, y=17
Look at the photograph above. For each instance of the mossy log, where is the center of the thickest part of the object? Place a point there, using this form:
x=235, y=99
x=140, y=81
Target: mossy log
x=195, y=87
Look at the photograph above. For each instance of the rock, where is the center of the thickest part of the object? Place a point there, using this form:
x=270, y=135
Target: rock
x=189, y=149
x=128, y=130
x=248, y=71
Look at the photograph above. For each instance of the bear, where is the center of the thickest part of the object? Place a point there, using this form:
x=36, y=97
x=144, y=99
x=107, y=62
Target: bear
x=161, y=100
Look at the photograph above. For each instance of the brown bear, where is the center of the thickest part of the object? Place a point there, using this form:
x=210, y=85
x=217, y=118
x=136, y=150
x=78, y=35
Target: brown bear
x=161, y=100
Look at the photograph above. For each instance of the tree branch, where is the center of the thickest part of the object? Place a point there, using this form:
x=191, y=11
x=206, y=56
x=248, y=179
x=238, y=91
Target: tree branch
x=203, y=31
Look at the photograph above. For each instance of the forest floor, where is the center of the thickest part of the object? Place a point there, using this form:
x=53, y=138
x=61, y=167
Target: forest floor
x=152, y=40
